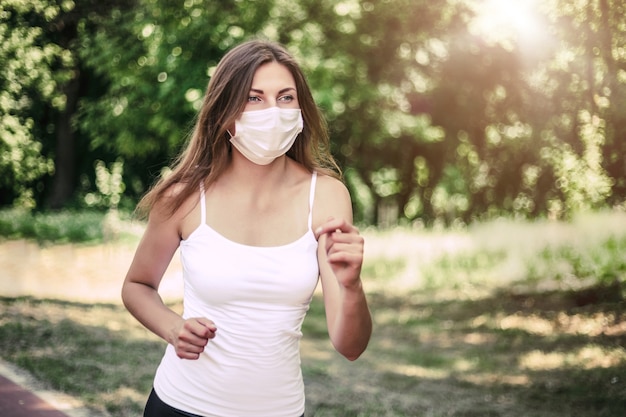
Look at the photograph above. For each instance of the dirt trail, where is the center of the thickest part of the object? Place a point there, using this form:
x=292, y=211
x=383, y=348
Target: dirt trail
x=73, y=272
x=89, y=273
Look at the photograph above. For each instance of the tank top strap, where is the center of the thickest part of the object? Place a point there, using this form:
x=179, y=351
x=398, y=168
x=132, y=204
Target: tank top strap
x=202, y=205
x=312, y=198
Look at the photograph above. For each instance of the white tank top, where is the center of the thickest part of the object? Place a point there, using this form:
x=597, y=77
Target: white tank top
x=257, y=297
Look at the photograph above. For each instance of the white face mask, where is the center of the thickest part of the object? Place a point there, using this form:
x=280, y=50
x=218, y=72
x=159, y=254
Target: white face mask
x=264, y=135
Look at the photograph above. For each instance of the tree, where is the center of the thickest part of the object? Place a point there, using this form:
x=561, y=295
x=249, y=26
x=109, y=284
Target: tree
x=96, y=80
x=26, y=83
x=41, y=53
x=156, y=63
x=434, y=117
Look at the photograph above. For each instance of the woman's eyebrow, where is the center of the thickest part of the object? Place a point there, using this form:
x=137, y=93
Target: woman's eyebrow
x=284, y=90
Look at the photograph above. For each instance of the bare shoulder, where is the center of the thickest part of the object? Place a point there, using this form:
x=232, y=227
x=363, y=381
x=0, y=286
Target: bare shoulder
x=161, y=211
x=332, y=199
x=328, y=186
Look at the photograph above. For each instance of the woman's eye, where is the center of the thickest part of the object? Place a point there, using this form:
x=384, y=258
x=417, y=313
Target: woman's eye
x=286, y=98
x=254, y=99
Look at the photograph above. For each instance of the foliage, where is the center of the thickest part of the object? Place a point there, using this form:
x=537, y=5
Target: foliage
x=110, y=186
x=26, y=81
x=524, y=255
x=59, y=227
x=440, y=111
x=156, y=63
x=42, y=82
x=603, y=264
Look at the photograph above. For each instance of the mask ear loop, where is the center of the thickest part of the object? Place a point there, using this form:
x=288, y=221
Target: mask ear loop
x=230, y=134
x=229, y=142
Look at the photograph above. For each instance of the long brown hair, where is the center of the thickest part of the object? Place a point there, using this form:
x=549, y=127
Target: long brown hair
x=208, y=149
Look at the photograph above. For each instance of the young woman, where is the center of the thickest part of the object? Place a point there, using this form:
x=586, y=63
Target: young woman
x=257, y=208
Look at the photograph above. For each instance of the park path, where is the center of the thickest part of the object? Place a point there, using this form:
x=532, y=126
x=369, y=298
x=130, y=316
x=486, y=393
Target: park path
x=21, y=395
x=18, y=401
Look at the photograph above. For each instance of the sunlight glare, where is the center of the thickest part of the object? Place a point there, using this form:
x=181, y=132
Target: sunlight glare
x=585, y=357
x=507, y=22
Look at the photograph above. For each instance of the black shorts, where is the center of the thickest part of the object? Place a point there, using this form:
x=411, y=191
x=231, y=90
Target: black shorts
x=155, y=407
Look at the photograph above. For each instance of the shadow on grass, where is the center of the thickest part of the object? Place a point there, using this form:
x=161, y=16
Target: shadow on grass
x=511, y=354
x=83, y=350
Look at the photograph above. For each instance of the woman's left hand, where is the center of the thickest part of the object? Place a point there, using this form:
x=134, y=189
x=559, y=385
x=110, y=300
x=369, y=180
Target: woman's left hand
x=344, y=250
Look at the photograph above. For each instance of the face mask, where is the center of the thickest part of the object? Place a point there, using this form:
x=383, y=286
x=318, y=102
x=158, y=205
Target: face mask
x=264, y=135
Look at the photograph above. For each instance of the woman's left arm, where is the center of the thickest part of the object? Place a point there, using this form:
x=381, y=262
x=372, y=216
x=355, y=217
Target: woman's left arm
x=340, y=257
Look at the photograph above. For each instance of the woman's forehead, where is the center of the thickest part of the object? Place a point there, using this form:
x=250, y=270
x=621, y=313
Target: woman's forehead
x=272, y=76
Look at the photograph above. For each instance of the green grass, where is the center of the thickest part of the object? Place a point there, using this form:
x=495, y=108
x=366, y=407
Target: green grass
x=91, y=227
x=459, y=354
x=503, y=253
x=383, y=270
x=94, y=352
x=604, y=262
x=502, y=319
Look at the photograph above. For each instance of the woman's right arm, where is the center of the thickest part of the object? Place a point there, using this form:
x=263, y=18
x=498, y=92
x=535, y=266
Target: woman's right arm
x=140, y=289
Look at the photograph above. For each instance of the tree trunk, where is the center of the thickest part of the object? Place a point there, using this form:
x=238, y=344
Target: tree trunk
x=64, y=180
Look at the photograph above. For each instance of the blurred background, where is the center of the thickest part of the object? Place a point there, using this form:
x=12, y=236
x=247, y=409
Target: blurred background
x=483, y=142
x=440, y=111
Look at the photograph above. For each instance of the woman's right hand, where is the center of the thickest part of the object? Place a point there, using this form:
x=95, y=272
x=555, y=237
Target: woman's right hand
x=192, y=336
